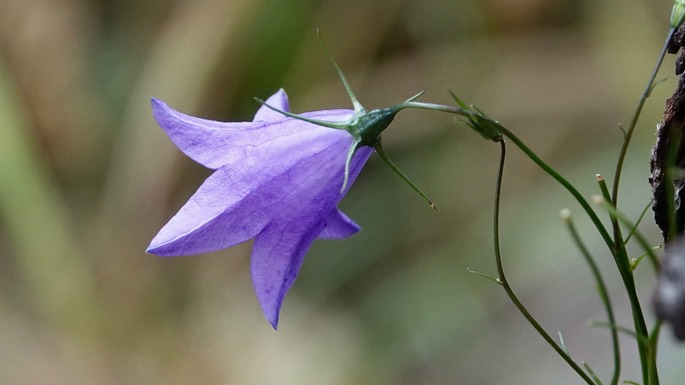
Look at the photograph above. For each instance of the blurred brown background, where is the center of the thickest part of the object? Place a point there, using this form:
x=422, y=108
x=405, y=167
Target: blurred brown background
x=87, y=178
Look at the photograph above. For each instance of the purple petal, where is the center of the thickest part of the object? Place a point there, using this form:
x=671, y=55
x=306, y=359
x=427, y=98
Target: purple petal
x=276, y=259
x=237, y=201
x=215, y=217
x=314, y=190
x=339, y=226
x=278, y=180
x=278, y=100
x=216, y=144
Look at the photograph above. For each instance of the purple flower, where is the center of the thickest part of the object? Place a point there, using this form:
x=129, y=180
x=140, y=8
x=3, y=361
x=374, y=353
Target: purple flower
x=278, y=180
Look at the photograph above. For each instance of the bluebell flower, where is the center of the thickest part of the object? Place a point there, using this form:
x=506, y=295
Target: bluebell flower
x=277, y=180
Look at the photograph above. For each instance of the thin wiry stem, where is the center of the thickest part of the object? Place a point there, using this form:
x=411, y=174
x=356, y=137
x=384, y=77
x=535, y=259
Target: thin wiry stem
x=621, y=329
x=603, y=293
x=645, y=358
x=619, y=254
x=639, y=220
x=653, y=344
x=618, y=237
x=629, y=132
x=617, y=215
x=505, y=284
x=640, y=326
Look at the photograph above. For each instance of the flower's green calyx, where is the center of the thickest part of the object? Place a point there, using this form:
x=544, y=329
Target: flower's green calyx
x=364, y=126
x=369, y=125
x=486, y=127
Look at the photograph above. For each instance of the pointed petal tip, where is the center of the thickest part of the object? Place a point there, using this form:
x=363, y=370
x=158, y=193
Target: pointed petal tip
x=154, y=245
x=156, y=102
x=339, y=226
x=278, y=100
x=274, y=323
x=154, y=250
x=162, y=249
x=159, y=109
x=271, y=313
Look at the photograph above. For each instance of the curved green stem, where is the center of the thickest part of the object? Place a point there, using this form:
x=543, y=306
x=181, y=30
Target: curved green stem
x=629, y=133
x=617, y=215
x=653, y=344
x=618, y=238
x=639, y=220
x=603, y=293
x=603, y=187
x=505, y=284
x=618, y=252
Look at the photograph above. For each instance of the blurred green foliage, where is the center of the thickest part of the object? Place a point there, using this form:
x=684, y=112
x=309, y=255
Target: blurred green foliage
x=87, y=178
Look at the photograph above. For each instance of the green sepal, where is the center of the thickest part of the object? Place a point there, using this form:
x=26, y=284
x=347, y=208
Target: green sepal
x=350, y=153
x=364, y=126
x=379, y=149
x=323, y=123
x=486, y=127
x=358, y=108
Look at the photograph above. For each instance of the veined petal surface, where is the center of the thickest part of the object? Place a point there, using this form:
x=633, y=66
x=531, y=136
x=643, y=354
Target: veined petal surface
x=277, y=180
x=303, y=211
x=278, y=100
x=215, y=144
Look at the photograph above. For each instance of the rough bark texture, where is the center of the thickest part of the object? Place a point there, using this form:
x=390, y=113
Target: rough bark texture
x=670, y=139
x=668, y=154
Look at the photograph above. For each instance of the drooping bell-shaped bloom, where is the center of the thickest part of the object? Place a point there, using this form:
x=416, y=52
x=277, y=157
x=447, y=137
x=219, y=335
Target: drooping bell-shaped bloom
x=278, y=180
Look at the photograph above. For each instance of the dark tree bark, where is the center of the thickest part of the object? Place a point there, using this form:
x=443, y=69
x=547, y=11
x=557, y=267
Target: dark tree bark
x=670, y=141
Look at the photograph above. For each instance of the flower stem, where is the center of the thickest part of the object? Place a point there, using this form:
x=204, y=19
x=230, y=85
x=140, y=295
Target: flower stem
x=631, y=129
x=617, y=215
x=433, y=107
x=603, y=293
x=617, y=250
x=653, y=344
x=640, y=326
x=643, y=98
x=639, y=220
x=505, y=284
